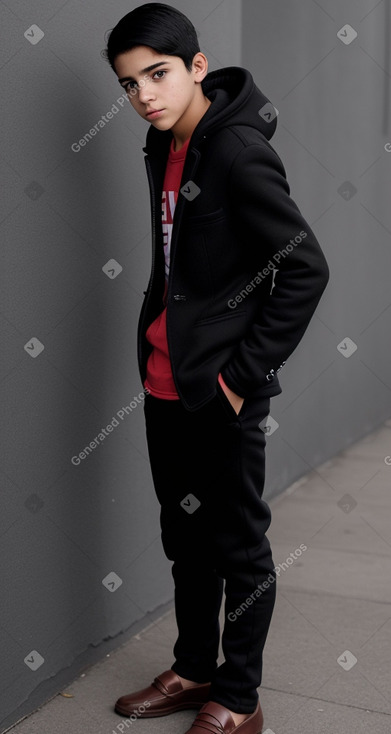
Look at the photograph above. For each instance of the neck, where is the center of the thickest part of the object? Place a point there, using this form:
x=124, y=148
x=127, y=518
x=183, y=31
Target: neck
x=183, y=129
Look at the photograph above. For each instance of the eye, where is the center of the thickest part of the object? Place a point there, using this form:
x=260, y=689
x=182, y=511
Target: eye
x=132, y=84
x=160, y=71
x=128, y=86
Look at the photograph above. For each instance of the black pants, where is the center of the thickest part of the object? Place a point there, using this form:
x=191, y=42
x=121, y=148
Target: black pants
x=208, y=468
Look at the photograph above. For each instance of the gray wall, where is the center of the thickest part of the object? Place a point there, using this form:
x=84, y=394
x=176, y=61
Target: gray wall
x=64, y=215
x=333, y=124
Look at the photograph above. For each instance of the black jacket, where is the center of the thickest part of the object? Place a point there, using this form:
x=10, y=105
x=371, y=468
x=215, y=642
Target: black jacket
x=242, y=290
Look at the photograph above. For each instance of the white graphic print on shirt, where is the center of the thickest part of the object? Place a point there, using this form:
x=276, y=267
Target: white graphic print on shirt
x=168, y=209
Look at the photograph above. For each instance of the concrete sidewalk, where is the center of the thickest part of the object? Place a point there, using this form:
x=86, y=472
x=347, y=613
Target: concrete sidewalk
x=327, y=661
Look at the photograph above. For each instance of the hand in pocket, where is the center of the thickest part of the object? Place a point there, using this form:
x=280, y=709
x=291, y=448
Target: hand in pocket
x=235, y=400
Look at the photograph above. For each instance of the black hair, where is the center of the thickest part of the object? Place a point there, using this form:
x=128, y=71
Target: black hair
x=159, y=26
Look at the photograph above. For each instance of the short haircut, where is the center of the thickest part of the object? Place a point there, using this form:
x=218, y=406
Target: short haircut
x=159, y=26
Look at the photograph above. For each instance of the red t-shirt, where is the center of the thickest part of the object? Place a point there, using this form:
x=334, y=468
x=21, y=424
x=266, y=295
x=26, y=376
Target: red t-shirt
x=159, y=380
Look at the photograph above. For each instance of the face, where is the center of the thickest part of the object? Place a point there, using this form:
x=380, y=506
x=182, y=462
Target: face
x=166, y=87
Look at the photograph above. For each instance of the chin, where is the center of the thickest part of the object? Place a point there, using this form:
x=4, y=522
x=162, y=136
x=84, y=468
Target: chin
x=161, y=124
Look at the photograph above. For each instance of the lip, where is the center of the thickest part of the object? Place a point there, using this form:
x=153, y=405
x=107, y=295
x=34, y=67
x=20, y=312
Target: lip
x=153, y=113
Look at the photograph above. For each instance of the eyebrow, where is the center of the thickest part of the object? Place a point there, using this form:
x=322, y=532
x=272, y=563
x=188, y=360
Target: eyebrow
x=143, y=71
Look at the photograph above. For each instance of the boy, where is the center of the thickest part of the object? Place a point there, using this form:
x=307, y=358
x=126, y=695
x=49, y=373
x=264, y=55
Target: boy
x=236, y=276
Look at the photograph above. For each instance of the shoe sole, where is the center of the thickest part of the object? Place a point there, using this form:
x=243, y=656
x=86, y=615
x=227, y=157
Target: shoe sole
x=159, y=712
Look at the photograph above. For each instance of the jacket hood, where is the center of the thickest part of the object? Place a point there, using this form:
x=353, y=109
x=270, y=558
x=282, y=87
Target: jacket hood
x=236, y=100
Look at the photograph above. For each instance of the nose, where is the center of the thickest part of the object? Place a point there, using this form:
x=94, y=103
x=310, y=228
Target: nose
x=145, y=93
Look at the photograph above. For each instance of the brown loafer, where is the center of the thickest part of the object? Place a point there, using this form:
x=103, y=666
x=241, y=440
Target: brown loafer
x=216, y=719
x=164, y=696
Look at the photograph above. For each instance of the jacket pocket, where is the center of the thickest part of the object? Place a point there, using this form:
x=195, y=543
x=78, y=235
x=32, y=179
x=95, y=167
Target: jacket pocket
x=220, y=317
x=201, y=220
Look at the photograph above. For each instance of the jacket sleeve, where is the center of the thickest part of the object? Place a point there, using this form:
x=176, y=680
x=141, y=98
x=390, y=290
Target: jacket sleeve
x=269, y=221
